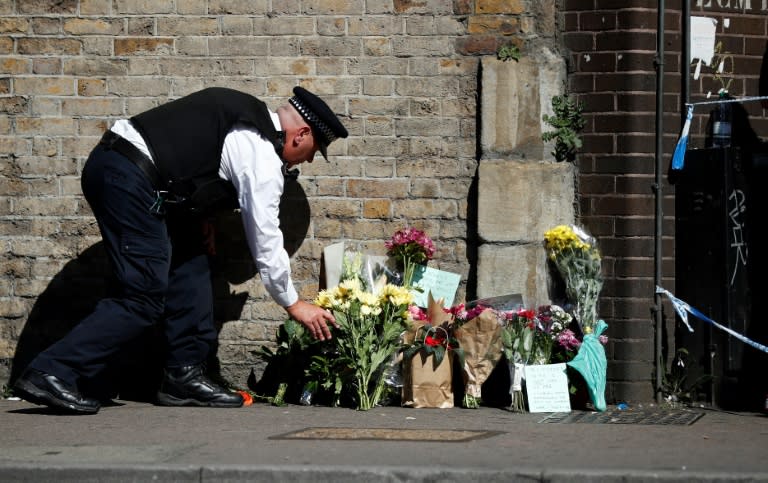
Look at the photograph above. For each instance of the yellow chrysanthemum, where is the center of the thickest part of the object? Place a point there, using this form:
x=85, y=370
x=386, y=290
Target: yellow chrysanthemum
x=396, y=295
x=348, y=287
x=344, y=292
x=324, y=299
x=367, y=310
x=562, y=238
x=367, y=298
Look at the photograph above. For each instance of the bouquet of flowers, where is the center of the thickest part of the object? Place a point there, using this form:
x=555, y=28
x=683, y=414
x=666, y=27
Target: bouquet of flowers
x=552, y=321
x=578, y=261
x=479, y=334
x=410, y=247
x=427, y=372
x=369, y=332
x=436, y=341
x=566, y=346
x=529, y=337
x=517, y=338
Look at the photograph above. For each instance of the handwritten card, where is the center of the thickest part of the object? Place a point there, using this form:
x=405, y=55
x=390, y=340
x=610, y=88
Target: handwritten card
x=443, y=285
x=546, y=386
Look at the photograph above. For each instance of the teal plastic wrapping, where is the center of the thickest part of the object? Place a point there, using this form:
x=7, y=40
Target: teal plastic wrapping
x=591, y=363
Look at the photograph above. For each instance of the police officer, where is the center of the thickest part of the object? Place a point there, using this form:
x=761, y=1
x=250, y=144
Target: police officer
x=148, y=182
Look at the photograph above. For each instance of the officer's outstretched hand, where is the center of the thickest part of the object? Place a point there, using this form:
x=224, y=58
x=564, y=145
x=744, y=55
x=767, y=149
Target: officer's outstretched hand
x=314, y=318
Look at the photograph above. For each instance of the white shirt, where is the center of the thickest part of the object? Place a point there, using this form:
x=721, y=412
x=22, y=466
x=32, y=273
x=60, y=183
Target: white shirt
x=250, y=163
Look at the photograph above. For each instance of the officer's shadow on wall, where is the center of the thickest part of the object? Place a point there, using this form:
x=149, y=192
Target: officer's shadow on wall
x=135, y=373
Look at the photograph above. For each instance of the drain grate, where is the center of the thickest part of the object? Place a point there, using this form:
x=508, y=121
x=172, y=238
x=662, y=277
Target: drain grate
x=387, y=434
x=632, y=416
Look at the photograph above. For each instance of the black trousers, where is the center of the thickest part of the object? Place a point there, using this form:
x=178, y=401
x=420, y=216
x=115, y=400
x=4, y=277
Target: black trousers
x=162, y=273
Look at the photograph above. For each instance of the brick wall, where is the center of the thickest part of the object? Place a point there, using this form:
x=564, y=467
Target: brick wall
x=403, y=74
x=611, y=70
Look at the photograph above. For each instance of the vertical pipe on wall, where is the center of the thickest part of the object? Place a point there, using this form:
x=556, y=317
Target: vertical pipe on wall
x=685, y=58
x=659, y=365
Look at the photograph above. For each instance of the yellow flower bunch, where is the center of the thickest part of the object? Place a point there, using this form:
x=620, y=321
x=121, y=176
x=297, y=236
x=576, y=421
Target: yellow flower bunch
x=341, y=296
x=561, y=238
x=368, y=334
x=397, y=296
x=578, y=261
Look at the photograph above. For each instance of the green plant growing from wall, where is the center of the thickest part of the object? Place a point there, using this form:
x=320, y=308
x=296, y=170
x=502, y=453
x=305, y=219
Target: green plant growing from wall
x=676, y=387
x=508, y=52
x=568, y=123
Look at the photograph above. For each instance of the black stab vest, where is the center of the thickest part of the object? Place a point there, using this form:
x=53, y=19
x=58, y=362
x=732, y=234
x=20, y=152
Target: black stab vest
x=186, y=138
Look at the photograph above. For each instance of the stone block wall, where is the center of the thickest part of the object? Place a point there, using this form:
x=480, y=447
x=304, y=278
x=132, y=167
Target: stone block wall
x=403, y=76
x=522, y=190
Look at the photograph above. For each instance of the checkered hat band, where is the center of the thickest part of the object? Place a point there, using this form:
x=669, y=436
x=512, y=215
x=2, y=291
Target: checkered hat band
x=313, y=119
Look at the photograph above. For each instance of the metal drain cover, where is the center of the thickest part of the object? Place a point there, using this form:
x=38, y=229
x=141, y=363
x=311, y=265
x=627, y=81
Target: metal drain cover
x=389, y=434
x=632, y=416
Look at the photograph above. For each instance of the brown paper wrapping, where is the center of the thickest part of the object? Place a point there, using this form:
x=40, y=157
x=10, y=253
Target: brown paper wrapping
x=480, y=338
x=427, y=386
x=424, y=385
x=436, y=316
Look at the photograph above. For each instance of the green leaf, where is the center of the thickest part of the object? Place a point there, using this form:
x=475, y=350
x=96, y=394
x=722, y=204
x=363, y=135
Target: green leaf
x=411, y=351
x=568, y=123
x=527, y=340
x=439, y=353
x=508, y=52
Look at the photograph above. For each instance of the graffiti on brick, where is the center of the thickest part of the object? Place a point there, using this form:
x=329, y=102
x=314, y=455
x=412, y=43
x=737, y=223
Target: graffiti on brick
x=737, y=208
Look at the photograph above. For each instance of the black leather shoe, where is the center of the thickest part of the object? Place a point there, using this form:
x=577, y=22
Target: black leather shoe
x=188, y=386
x=40, y=388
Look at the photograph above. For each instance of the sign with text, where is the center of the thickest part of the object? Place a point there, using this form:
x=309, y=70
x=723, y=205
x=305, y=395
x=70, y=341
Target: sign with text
x=546, y=386
x=443, y=285
x=739, y=6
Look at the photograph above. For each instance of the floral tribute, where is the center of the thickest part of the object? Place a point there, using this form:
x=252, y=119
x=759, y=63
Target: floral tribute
x=532, y=337
x=385, y=343
x=429, y=349
x=577, y=259
x=370, y=326
x=479, y=333
x=410, y=247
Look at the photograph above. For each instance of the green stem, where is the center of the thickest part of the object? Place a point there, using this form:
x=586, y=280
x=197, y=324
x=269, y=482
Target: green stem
x=408, y=269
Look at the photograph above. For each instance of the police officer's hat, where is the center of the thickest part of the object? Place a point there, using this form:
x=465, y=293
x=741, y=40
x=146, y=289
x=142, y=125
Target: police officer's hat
x=325, y=125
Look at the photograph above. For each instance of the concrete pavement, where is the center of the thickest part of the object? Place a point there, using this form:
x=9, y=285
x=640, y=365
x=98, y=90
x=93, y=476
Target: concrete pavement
x=140, y=442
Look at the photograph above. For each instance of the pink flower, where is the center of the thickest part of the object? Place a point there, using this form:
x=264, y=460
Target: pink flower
x=411, y=243
x=460, y=311
x=568, y=341
x=475, y=311
x=417, y=313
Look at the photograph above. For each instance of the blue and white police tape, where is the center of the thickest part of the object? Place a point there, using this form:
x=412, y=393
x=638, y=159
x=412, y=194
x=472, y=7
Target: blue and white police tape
x=683, y=309
x=678, y=158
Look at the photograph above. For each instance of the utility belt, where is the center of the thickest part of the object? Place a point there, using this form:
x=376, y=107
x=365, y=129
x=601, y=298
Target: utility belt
x=190, y=196
x=119, y=144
